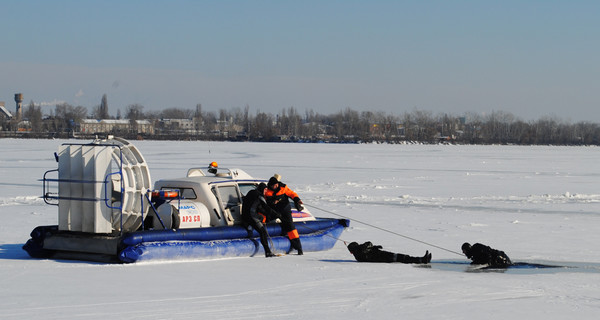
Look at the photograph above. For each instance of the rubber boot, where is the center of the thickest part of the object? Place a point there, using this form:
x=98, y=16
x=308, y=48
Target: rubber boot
x=268, y=253
x=409, y=259
x=427, y=257
x=296, y=244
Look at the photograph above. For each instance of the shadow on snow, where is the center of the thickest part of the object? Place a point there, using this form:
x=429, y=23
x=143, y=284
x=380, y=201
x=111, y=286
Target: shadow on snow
x=520, y=267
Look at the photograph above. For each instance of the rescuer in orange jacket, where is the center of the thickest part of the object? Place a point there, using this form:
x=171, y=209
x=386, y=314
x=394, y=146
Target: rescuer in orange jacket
x=277, y=195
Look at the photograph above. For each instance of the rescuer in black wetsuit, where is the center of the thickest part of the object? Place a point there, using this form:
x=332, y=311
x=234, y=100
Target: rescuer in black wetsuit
x=367, y=252
x=255, y=213
x=482, y=254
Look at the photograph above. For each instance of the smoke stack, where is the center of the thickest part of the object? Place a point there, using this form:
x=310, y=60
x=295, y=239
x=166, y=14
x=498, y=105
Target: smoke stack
x=19, y=101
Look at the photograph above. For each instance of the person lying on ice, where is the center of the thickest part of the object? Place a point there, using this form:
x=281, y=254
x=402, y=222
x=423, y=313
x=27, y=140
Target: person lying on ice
x=367, y=252
x=482, y=254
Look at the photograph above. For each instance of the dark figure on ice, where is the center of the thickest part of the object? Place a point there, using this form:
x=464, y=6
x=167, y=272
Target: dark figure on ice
x=255, y=213
x=482, y=254
x=367, y=252
x=277, y=196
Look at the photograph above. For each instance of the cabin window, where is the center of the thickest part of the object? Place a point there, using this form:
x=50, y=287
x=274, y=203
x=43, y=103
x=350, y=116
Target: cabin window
x=229, y=196
x=246, y=187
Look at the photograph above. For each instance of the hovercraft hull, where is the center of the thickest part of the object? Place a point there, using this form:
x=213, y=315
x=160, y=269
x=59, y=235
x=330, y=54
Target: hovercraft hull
x=180, y=244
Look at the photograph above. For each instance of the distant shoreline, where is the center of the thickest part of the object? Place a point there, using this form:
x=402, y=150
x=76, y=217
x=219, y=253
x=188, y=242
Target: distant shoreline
x=65, y=136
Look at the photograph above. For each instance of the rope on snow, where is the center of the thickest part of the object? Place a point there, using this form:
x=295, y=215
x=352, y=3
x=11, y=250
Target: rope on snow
x=382, y=229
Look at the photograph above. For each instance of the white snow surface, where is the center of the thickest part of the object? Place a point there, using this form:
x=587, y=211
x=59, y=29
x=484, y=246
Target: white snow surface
x=537, y=203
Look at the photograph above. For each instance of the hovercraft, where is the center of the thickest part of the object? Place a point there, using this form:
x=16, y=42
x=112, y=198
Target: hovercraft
x=107, y=211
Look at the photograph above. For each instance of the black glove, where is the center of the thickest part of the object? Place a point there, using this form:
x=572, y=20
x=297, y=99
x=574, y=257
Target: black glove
x=298, y=204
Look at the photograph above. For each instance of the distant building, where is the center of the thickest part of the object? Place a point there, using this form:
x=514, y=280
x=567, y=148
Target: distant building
x=19, y=101
x=93, y=126
x=4, y=111
x=182, y=125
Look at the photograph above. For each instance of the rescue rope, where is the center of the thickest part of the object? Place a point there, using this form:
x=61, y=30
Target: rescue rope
x=325, y=234
x=270, y=242
x=382, y=229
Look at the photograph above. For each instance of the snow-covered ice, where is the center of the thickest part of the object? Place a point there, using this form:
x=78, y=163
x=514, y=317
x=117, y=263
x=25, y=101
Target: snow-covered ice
x=537, y=203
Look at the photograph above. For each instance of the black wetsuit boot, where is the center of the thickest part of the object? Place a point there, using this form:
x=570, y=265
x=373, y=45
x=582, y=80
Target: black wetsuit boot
x=408, y=259
x=264, y=237
x=296, y=244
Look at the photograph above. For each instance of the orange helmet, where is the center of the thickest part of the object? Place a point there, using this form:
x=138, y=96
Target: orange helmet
x=213, y=165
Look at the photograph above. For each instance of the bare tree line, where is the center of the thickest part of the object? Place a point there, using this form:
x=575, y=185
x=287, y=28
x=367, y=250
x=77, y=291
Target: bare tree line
x=347, y=125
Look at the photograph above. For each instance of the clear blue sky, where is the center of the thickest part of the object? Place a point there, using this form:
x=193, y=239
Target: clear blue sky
x=530, y=58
